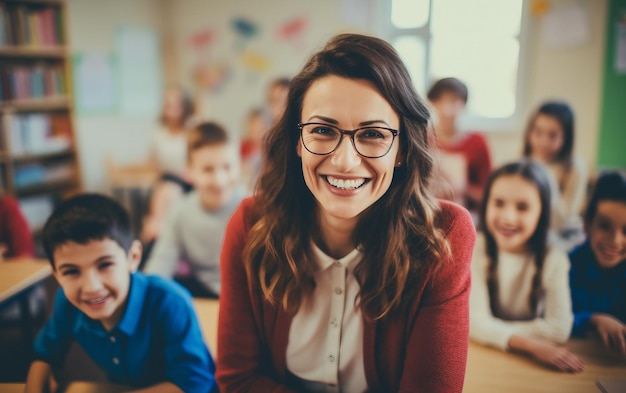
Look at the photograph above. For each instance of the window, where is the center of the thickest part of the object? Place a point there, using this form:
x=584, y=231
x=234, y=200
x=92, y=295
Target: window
x=476, y=41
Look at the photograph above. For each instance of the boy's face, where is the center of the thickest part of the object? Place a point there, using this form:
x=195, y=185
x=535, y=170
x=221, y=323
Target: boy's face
x=449, y=105
x=95, y=277
x=215, y=173
x=607, y=233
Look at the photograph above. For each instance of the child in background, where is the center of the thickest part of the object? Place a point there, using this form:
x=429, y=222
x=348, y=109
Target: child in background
x=520, y=289
x=251, y=155
x=549, y=139
x=464, y=158
x=141, y=330
x=169, y=157
x=277, y=99
x=598, y=275
x=195, y=228
x=15, y=238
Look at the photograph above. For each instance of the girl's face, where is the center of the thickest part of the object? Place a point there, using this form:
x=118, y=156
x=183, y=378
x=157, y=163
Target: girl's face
x=513, y=211
x=546, y=138
x=607, y=233
x=343, y=182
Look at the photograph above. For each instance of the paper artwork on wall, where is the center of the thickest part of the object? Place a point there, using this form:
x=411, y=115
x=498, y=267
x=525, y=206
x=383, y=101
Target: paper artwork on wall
x=292, y=32
x=212, y=76
x=95, y=84
x=141, y=83
x=244, y=30
x=566, y=26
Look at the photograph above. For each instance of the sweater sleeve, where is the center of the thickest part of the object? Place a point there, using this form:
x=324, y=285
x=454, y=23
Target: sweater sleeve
x=485, y=328
x=556, y=323
x=14, y=226
x=437, y=347
x=241, y=357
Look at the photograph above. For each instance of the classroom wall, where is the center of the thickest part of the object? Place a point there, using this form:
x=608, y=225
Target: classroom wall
x=573, y=74
x=92, y=26
x=252, y=58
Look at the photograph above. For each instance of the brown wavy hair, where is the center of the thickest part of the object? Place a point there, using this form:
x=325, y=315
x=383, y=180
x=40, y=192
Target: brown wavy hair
x=398, y=234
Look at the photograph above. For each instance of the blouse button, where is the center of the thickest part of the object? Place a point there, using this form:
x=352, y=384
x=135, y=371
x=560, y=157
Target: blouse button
x=331, y=358
x=116, y=361
x=338, y=291
x=112, y=339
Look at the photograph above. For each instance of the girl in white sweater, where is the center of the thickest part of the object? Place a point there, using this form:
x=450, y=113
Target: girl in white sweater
x=520, y=288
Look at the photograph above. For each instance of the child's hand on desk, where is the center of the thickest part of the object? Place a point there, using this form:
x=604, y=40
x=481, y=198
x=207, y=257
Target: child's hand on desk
x=556, y=356
x=612, y=331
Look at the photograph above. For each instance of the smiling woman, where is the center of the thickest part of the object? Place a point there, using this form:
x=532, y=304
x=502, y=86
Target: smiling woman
x=346, y=273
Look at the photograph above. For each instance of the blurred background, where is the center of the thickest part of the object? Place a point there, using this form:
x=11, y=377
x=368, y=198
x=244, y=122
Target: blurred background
x=120, y=56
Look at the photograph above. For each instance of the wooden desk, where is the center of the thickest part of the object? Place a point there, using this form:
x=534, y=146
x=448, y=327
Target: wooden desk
x=490, y=370
x=207, y=311
x=12, y=387
x=17, y=275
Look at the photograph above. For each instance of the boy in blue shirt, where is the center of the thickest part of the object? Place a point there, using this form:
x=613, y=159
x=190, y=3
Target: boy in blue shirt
x=141, y=330
x=598, y=272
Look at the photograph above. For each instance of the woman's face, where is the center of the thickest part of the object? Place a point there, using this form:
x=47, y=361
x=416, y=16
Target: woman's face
x=343, y=182
x=546, y=138
x=607, y=233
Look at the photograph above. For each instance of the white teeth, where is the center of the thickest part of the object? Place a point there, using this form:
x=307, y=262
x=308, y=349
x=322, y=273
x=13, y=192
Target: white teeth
x=96, y=301
x=348, y=184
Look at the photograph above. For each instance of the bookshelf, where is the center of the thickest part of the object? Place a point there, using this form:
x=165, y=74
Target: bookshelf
x=39, y=163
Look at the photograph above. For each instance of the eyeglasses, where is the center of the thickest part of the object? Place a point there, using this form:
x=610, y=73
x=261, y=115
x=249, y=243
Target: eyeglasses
x=369, y=142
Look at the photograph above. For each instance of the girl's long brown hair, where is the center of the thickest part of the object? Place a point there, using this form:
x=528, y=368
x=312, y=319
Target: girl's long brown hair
x=398, y=234
x=536, y=174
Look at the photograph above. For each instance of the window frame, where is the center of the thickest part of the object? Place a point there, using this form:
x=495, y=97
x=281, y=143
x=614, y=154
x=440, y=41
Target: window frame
x=515, y=122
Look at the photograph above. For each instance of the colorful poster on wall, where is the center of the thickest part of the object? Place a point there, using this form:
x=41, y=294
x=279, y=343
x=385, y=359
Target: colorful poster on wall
x=95, y=85
x=139, y=66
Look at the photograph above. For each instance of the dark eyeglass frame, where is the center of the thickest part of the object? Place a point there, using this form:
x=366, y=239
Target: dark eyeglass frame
x=351, y=133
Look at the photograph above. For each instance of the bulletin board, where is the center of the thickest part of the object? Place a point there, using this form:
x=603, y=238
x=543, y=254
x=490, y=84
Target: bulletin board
x=612, y=143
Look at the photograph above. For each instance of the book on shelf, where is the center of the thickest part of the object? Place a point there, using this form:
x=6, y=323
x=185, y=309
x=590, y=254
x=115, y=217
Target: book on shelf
x=36, y=174
x=39, y=133
x=30, y=26
x=23, y=82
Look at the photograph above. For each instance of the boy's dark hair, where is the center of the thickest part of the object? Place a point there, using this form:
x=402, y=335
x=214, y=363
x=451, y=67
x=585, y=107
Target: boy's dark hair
x=206, y=134
x=611, y=186
x=448, y=85
x=84, y=218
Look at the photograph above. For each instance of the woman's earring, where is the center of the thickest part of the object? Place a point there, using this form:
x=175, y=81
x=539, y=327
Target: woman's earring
x=398, y=163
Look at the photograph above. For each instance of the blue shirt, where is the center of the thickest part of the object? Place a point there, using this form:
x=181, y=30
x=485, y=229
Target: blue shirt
x=158, y=338
x=595, y=289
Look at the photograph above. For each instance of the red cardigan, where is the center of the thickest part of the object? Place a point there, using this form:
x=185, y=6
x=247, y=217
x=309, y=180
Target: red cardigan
x=14, y=232
x=420, y=348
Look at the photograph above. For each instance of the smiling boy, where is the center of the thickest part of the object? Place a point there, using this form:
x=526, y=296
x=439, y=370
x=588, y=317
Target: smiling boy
x=140, y=330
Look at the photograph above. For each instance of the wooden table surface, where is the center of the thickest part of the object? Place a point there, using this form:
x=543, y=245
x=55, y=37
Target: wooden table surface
x=19, y=274
x=207, y=311
x=490, y=370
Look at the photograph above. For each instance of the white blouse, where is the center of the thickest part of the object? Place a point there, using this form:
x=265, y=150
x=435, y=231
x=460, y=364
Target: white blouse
x=326, y=335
